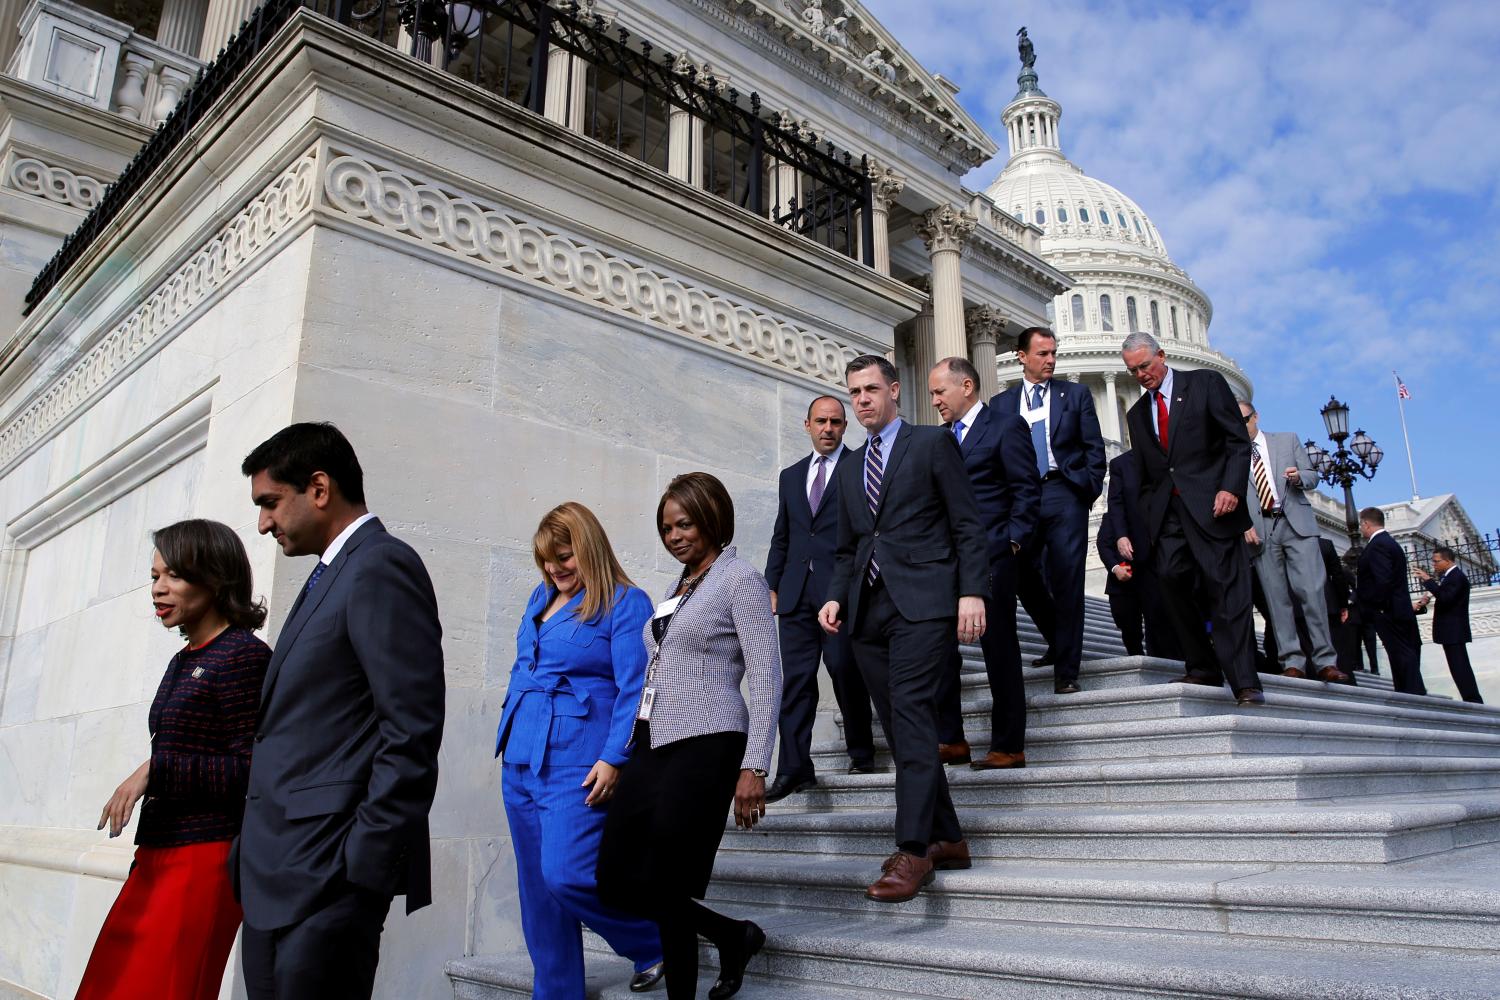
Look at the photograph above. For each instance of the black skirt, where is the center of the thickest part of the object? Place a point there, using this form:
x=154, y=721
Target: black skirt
x=666, y=819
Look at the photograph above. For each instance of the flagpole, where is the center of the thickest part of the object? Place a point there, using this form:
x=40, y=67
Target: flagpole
x=1410, y=467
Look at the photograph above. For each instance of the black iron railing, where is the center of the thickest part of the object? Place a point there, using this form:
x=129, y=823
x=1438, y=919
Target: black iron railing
x=620, y=91
x=1479, y=558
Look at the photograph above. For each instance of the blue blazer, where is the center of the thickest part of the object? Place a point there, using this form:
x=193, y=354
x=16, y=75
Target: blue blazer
x=576, y=685
x=1001, y=463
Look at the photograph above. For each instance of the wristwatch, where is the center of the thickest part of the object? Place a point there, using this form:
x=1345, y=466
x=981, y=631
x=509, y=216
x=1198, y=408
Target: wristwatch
x=759, y=772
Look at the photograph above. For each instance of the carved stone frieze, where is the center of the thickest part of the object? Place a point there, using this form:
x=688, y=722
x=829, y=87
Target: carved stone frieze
x=946, y=229
x=439, y=217
x=280, y=203
x=31, y=176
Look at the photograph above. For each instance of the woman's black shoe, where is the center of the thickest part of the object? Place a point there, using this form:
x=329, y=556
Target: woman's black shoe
x=732, y=972
x=647, y=978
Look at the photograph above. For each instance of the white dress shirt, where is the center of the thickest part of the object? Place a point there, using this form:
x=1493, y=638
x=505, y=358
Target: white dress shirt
x=331, y=553
x=967, y=420
x=1264, y=451
x=1041, y=413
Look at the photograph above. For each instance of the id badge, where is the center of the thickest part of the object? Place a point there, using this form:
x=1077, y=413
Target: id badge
x=667, y=607
x=648, y=696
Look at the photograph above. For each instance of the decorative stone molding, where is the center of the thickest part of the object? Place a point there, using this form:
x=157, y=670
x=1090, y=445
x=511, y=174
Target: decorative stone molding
x=31, y=176
x=885, y=184
x=946, y=229
x=433, y=214
x=239, y=240
x=984, y=323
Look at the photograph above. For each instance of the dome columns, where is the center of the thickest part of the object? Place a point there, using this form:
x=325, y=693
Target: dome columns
x=944, y=230
x=1111, y=409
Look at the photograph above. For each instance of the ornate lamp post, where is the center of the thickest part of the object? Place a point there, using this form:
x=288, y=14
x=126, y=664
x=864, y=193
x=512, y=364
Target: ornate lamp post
x=1339, y=467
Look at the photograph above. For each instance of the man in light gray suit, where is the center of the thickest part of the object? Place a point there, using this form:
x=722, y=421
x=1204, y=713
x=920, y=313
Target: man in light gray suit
x=1283, y=539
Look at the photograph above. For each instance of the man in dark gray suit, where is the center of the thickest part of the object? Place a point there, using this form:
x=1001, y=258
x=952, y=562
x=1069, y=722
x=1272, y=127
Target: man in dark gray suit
x=910, y=568
x=1283, y=537
x=1448, y=585
x=798, y=568
x=344, y=764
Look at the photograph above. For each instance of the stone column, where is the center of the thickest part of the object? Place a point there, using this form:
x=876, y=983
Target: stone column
x=924, y=354
x=945, y=230
x=170, y=85
x=566, y=77
x=783, y=188
x=130, y=97
x=885, y=185
x=685, y=134
x=221, y=21
x=985, y=325
x=1112, y=404
x=181, y=25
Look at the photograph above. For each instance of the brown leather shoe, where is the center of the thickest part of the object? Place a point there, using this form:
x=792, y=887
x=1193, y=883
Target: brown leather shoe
x=949, y=856
x=1292, y=672
x=954, y=753
x=1333, y=675
x=997, y=760
x=1249, y=696
x=1195, y=679
x=902, y=877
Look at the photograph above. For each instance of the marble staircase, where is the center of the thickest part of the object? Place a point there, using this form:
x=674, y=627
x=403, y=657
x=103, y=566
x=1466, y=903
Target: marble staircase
x=1337, y=843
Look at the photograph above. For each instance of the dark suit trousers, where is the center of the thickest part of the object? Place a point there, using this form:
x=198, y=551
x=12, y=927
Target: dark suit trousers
x=902, y=662
x=330, y=954
x=1463, y=673
x=1161, y=637
x=1193, y=564
x=1050, y=582
x=1002, y=664
x=1403, y=647
x=803, y=644
x=1129, y=613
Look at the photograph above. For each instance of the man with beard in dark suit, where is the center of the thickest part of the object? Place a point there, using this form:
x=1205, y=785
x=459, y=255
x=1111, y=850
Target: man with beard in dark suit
x=1001, y=464
x=799, y=569
x=1188, y=437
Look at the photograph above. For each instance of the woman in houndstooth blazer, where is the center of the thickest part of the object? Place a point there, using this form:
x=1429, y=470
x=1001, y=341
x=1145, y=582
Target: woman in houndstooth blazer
x=698, y=744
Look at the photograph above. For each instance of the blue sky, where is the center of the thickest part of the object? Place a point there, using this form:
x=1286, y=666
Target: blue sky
x=1329, y=173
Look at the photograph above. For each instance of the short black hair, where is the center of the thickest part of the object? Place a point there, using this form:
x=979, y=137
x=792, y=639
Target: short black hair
x=705, y=501
x=962, y=367
x=859, y=364
x=818, y=400
x=1023, y=342
x=1374, y=515
x=1446, y=553
x=210, y=555
x=294, y=453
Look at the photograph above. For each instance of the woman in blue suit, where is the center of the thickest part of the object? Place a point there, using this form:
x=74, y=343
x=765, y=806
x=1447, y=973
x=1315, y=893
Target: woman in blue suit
x=565, y=733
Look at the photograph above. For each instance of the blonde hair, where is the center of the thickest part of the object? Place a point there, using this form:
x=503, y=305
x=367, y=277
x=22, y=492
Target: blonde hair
x=573, y=526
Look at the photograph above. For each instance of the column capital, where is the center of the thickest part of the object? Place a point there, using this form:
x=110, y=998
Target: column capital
x=885, y=184
x=946, y=229
x=984, y=324
x=1109, y=377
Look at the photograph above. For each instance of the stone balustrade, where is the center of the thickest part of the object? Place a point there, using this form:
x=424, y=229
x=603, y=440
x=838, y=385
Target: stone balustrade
x=100, y=62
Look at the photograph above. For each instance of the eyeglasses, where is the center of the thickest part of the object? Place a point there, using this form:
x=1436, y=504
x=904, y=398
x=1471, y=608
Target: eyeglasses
x=1249, y=416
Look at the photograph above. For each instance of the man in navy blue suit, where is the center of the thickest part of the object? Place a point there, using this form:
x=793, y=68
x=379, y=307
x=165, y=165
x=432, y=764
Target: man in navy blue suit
x=1001, y=464
x=799, y=569
x=1450, y=619
x=1070, y=460
x=1385, y=602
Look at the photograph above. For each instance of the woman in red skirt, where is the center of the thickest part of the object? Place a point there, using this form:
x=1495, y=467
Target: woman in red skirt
x=170, y=931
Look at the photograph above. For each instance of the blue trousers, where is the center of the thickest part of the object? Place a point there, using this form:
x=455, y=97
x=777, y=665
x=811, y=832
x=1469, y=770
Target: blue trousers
x=556, y=839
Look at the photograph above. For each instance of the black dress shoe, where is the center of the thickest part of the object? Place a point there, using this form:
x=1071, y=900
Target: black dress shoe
x=1047, y=659
x=1195, y=679
x=1068, y=688
x=732, y=966
x=647, y=979
x=1249, y=696
x=785, y=785
x=863, y=769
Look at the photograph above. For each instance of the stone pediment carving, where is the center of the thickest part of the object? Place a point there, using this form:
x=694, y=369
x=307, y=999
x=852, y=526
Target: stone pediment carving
x=853, y=45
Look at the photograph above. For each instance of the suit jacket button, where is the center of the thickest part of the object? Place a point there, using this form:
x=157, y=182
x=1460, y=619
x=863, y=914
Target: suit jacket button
x=259, y=737
x=877, y=534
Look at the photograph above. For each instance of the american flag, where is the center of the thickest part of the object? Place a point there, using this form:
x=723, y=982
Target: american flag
x=1402, y=392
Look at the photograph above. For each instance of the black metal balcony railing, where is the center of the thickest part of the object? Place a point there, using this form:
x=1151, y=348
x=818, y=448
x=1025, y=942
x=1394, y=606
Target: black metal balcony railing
x=629, y=94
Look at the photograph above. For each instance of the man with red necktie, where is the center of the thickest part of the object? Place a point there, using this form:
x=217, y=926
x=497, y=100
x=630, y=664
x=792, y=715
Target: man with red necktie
x=1192, y=449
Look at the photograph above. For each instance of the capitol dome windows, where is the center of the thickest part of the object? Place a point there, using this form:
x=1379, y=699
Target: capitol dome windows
x=1174, y=323
x=1106, y=313
x=1104, y=217
x=1078, y=312
x=1130, y=314
x=1155, y=320
x=1062, y=214
x=1041, y=217
x=1083, y=214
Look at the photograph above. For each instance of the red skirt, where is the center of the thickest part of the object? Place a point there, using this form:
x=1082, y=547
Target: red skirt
x=170, y=931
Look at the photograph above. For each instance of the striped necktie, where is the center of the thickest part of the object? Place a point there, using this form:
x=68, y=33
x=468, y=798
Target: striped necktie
x=874, y=469
x=1262, y=481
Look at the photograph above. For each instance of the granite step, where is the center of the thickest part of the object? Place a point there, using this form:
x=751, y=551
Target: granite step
x=958, y=959
x=1412, y=905
x=1215, y=779
x=1302, y=834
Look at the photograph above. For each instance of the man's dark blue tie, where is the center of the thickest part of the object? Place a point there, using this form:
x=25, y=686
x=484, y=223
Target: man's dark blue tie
x=1039, y=435
x=312, y=579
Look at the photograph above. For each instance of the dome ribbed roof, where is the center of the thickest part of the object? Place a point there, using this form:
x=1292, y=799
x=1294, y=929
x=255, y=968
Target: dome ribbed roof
x=1074, y=211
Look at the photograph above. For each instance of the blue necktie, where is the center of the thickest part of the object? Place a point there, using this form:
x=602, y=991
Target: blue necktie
x=874, y=469
x=312, y=579
x=1039, y=434
x=958, y=431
